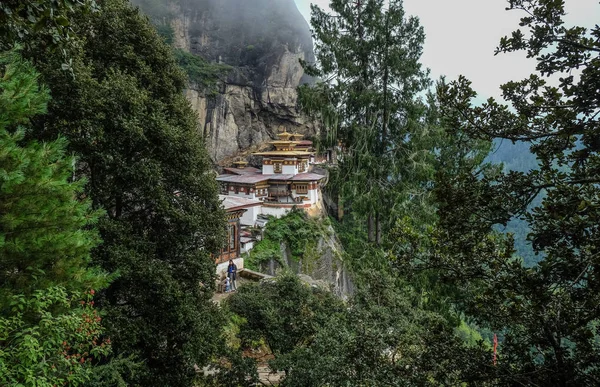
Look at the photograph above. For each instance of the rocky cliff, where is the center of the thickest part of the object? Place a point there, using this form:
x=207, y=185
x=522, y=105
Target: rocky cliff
x=263, y=41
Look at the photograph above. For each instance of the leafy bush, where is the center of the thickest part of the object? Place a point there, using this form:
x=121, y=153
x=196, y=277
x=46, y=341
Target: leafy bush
x=283, y=313
x=42, y=345
x=297, y=231
x=199, y=71
x=166, y=32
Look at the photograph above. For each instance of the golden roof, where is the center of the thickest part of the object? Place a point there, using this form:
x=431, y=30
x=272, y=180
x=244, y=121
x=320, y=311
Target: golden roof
x=285, y=145
x=284, y=136
x=282, y=142
x=288, y=153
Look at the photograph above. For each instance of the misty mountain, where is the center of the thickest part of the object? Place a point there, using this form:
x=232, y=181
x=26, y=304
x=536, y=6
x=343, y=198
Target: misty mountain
x=263, y=41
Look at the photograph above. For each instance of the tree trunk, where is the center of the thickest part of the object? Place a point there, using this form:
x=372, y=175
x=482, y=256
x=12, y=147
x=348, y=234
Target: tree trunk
x=371, y=228
x=378, y=229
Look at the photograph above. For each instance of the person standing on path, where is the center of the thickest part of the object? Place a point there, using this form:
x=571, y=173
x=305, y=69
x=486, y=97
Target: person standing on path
x=232, y=273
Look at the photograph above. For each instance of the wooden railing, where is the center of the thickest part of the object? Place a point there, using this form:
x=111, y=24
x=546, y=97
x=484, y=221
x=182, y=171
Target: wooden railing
x=280, y=193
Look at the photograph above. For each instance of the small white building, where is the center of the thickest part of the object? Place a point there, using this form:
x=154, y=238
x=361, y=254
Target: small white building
x=240, y=213
x=283, y=182
x=252, y=208
x=250, y=194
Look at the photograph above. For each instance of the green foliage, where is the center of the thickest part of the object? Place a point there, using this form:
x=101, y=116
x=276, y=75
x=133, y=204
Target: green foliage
x=47, y=19
x=298, y=233
x=263, y=252
x=44, y=235
x=283, y=313
x=199, y=71
x=233, y=369
x=380, y=338
x=50, y=338
x=166, y=32
x=549, y=312
x=116, y=372
x=159, y=11
x=368, y=55
x=48, y=335
x=126, y=117
x=468, y=334
x=517, y=157
x=21, y=97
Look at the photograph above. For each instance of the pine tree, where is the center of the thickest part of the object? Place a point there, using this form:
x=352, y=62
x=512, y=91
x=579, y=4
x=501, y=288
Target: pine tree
x=368, y=58
x=45, y=244
x=44, y=235
x=124, y=114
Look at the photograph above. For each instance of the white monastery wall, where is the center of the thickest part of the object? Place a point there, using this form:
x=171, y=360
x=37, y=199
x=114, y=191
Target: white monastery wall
x=245, y=195
x=275, y=211
x=249, y=217
x=245, y=247
x=313, y=195
x=289, y=169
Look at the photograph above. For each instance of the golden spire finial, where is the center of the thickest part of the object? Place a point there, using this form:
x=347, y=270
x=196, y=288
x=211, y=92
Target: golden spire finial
x=240, y=163
x=284, y=135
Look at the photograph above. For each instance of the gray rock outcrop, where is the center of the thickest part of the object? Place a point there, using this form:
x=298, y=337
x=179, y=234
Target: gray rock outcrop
x=263, y=41
x=325, y=268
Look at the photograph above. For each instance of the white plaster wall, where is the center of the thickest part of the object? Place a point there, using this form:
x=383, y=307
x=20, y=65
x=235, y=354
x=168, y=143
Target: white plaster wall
x=249, y=217
x=222, y=267
x=267, y=170
x=243, y=195
x=289, y=169
x=295, y=194
x=275, y=211
x=313, y=195
x=247, y=247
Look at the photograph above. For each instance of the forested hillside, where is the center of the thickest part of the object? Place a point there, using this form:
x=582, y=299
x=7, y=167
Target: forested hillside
x=112, y=119
x=517, y=157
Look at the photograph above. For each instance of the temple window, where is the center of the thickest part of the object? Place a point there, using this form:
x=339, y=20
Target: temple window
x=277, y=167
x=301, y=188
x=232, y=237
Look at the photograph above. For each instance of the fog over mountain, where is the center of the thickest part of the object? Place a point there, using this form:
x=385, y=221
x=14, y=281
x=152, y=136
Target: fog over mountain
x=263, y=41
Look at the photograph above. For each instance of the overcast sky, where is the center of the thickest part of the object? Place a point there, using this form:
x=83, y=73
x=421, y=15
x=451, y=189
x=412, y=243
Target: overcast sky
x=461, y=36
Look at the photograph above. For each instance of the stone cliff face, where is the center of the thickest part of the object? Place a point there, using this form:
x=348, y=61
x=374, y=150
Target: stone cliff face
x=325, y=267
x=263, y=41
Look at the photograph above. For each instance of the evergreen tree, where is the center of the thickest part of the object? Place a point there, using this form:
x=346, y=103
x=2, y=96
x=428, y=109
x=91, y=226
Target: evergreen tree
x=46, y=336
x=379, y=338
x=44, y=235
x=549, y=313
x=285, y=313
x=368, y=58
x=124, y=113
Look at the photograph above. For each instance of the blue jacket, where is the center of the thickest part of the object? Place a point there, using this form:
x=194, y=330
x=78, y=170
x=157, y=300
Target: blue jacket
x=232, y=269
